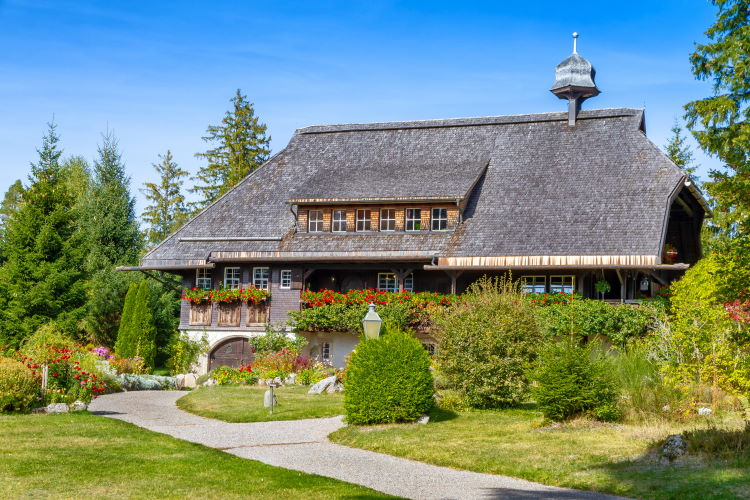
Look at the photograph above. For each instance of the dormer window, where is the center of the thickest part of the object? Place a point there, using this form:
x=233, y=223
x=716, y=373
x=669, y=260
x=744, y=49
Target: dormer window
x=387, y=219
x=364, y=220
x=339, y=221
x=439, y=219
x=413, y=219
x=315, y=221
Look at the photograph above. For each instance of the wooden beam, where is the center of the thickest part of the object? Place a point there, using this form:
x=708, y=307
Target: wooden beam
x=401, y=275
x=622, y=285
x=685, y=206
x=454, y=278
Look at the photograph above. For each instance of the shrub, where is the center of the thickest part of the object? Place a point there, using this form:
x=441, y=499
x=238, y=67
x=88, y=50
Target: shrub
x=281, y=364
x=225, y=375
x=644, y=390
x=18, y=386
x=488, y=342
x=276, y=340
x=184, y=352
x=699, y=344
x=388, y=380
x=310, y=376
x=592, y=318
x=573, y=380
x=133, y=365
x=43, y=344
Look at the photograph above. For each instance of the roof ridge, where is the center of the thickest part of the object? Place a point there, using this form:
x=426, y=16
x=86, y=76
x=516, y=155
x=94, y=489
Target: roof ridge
x=471, y=121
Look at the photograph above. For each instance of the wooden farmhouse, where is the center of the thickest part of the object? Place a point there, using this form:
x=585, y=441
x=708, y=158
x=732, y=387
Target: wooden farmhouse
x=561, y=200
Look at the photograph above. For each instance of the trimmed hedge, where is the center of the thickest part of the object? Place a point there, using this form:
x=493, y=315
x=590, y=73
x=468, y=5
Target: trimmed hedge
x=388, y=380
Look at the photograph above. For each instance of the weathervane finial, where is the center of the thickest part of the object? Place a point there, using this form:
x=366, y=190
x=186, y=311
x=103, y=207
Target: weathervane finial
x=575, y=42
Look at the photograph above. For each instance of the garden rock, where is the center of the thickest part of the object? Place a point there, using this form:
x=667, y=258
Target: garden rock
x=57, y=408
x=423, y=419
x=674, y=446
x=291, y=379
x=320, y=387
x=704, y=412
x=335, y=387
x=179, y=381
x=190, y=380
x=79, y=406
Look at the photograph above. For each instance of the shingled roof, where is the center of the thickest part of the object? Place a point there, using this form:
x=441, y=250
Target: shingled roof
x=536, y=187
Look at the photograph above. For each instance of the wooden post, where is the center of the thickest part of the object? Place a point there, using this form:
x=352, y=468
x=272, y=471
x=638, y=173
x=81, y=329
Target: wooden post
x=622, y=285
x=454, y=278
x=401, y=275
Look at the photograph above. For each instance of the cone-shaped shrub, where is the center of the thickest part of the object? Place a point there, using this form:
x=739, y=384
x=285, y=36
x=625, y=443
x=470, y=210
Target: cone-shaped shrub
x=137, y=333
x=124, y=342
x=388, y=379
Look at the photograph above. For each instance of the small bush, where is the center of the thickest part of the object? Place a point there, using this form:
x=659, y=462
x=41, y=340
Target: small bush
x=18, y=387
x=487, y=344
x=42, y=345
x=275, y=341
x=388, y=380
x=310, y=376
x=573, y=380
x=281, y=364
x=225, y=375
x=184, y=352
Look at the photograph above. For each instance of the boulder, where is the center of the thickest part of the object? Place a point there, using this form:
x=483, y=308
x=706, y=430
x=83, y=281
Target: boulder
x=674, y=446
x=79, y=406
x=179, y=381
x=290, y=379
x=704, y=412
x=320, y=387
x=57, y=408
x=423, y=419
x=335, y=387
x=190, y=380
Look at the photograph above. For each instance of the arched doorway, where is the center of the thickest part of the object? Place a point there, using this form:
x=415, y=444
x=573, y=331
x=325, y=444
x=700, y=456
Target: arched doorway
x=232, y=353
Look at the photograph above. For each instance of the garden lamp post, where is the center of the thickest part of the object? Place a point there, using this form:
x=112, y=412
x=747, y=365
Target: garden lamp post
x=371, y=323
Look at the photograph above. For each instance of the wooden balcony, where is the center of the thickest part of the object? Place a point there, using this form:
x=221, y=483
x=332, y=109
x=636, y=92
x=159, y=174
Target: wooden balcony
x=229, y=314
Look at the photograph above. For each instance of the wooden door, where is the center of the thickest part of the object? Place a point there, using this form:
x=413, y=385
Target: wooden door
x=232, y=353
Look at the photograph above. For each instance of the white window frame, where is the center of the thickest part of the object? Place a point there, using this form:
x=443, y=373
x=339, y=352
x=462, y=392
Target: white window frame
x=201, y=275
x=391, y=282
x=389, y=221
x=285, y=279
x=232, y=277
x=536, y=280
x=338, y=225
x=259, y=281
x=325, y=352
x=441, y=219
x=364, y=219
x=315, y=225
x=414, y=222
x=561, y=287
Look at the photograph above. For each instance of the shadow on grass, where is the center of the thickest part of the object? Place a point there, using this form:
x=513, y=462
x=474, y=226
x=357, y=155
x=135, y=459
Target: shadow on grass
x=438, y=414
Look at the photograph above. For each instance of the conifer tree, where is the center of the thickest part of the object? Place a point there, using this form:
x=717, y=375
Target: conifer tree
x=42, y=278
x=167, y=212
x=240, y=146
x=721, y=125
x=113, y=239
x=137, y=334
x=680, y=152
x=10, y=204
x=124, y=338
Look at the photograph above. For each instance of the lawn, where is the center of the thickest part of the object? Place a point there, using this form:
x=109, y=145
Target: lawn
x=245, y=403
x=87, y=456
x=583, y=455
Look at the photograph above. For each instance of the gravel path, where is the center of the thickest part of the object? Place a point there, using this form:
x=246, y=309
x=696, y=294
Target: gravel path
x=303, y=445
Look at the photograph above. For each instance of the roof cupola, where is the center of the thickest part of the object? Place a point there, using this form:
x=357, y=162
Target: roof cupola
x=574, y=81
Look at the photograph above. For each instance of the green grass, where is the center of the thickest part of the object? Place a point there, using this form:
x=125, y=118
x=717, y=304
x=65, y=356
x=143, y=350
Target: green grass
x=582, y=455
x=86, y=456
x=245, y=403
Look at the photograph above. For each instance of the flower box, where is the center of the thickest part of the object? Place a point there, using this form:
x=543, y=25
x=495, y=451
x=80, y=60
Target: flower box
x=200, y=313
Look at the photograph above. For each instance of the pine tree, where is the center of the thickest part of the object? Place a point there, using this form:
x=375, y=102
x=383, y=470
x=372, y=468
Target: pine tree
x=680, y=152
x=10, y=204
x=240, y=147
x=42, y=278
x=721, y=125
x=167, y=212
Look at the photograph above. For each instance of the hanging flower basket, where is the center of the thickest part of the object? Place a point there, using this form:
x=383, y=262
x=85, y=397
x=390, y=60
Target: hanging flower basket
x=670, y=253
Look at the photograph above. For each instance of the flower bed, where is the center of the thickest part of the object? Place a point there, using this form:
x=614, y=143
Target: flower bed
x=377, y=297
x=250, y=295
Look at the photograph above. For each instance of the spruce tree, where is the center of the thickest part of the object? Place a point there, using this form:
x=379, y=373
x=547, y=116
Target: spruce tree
x=43, y=277
x=680, y=152
x=113, y=239
x=167, y=212
x=10, y=204
x=721, y=125
x=240, y=146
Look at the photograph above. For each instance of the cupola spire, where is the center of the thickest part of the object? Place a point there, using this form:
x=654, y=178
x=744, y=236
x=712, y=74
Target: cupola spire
x=574, y=81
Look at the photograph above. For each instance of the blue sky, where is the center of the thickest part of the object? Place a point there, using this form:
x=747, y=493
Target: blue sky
x=157, y=73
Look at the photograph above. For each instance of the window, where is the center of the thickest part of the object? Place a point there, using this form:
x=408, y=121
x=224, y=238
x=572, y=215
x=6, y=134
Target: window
x=561, y=284
x=315, y=221
x=533, y=284
x=364, y=220
x=286, y=279
x=413, y=219
x=232, y=277
x=387, y=219
x=429, y=347
x=325, y=352
x=260, y=278
x=203, y=279
x=389, y=282
x=339, y=221
x=439, y=219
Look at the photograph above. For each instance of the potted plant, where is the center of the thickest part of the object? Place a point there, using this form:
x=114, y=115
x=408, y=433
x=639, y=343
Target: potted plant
x=602, y=286
x=670, y=253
